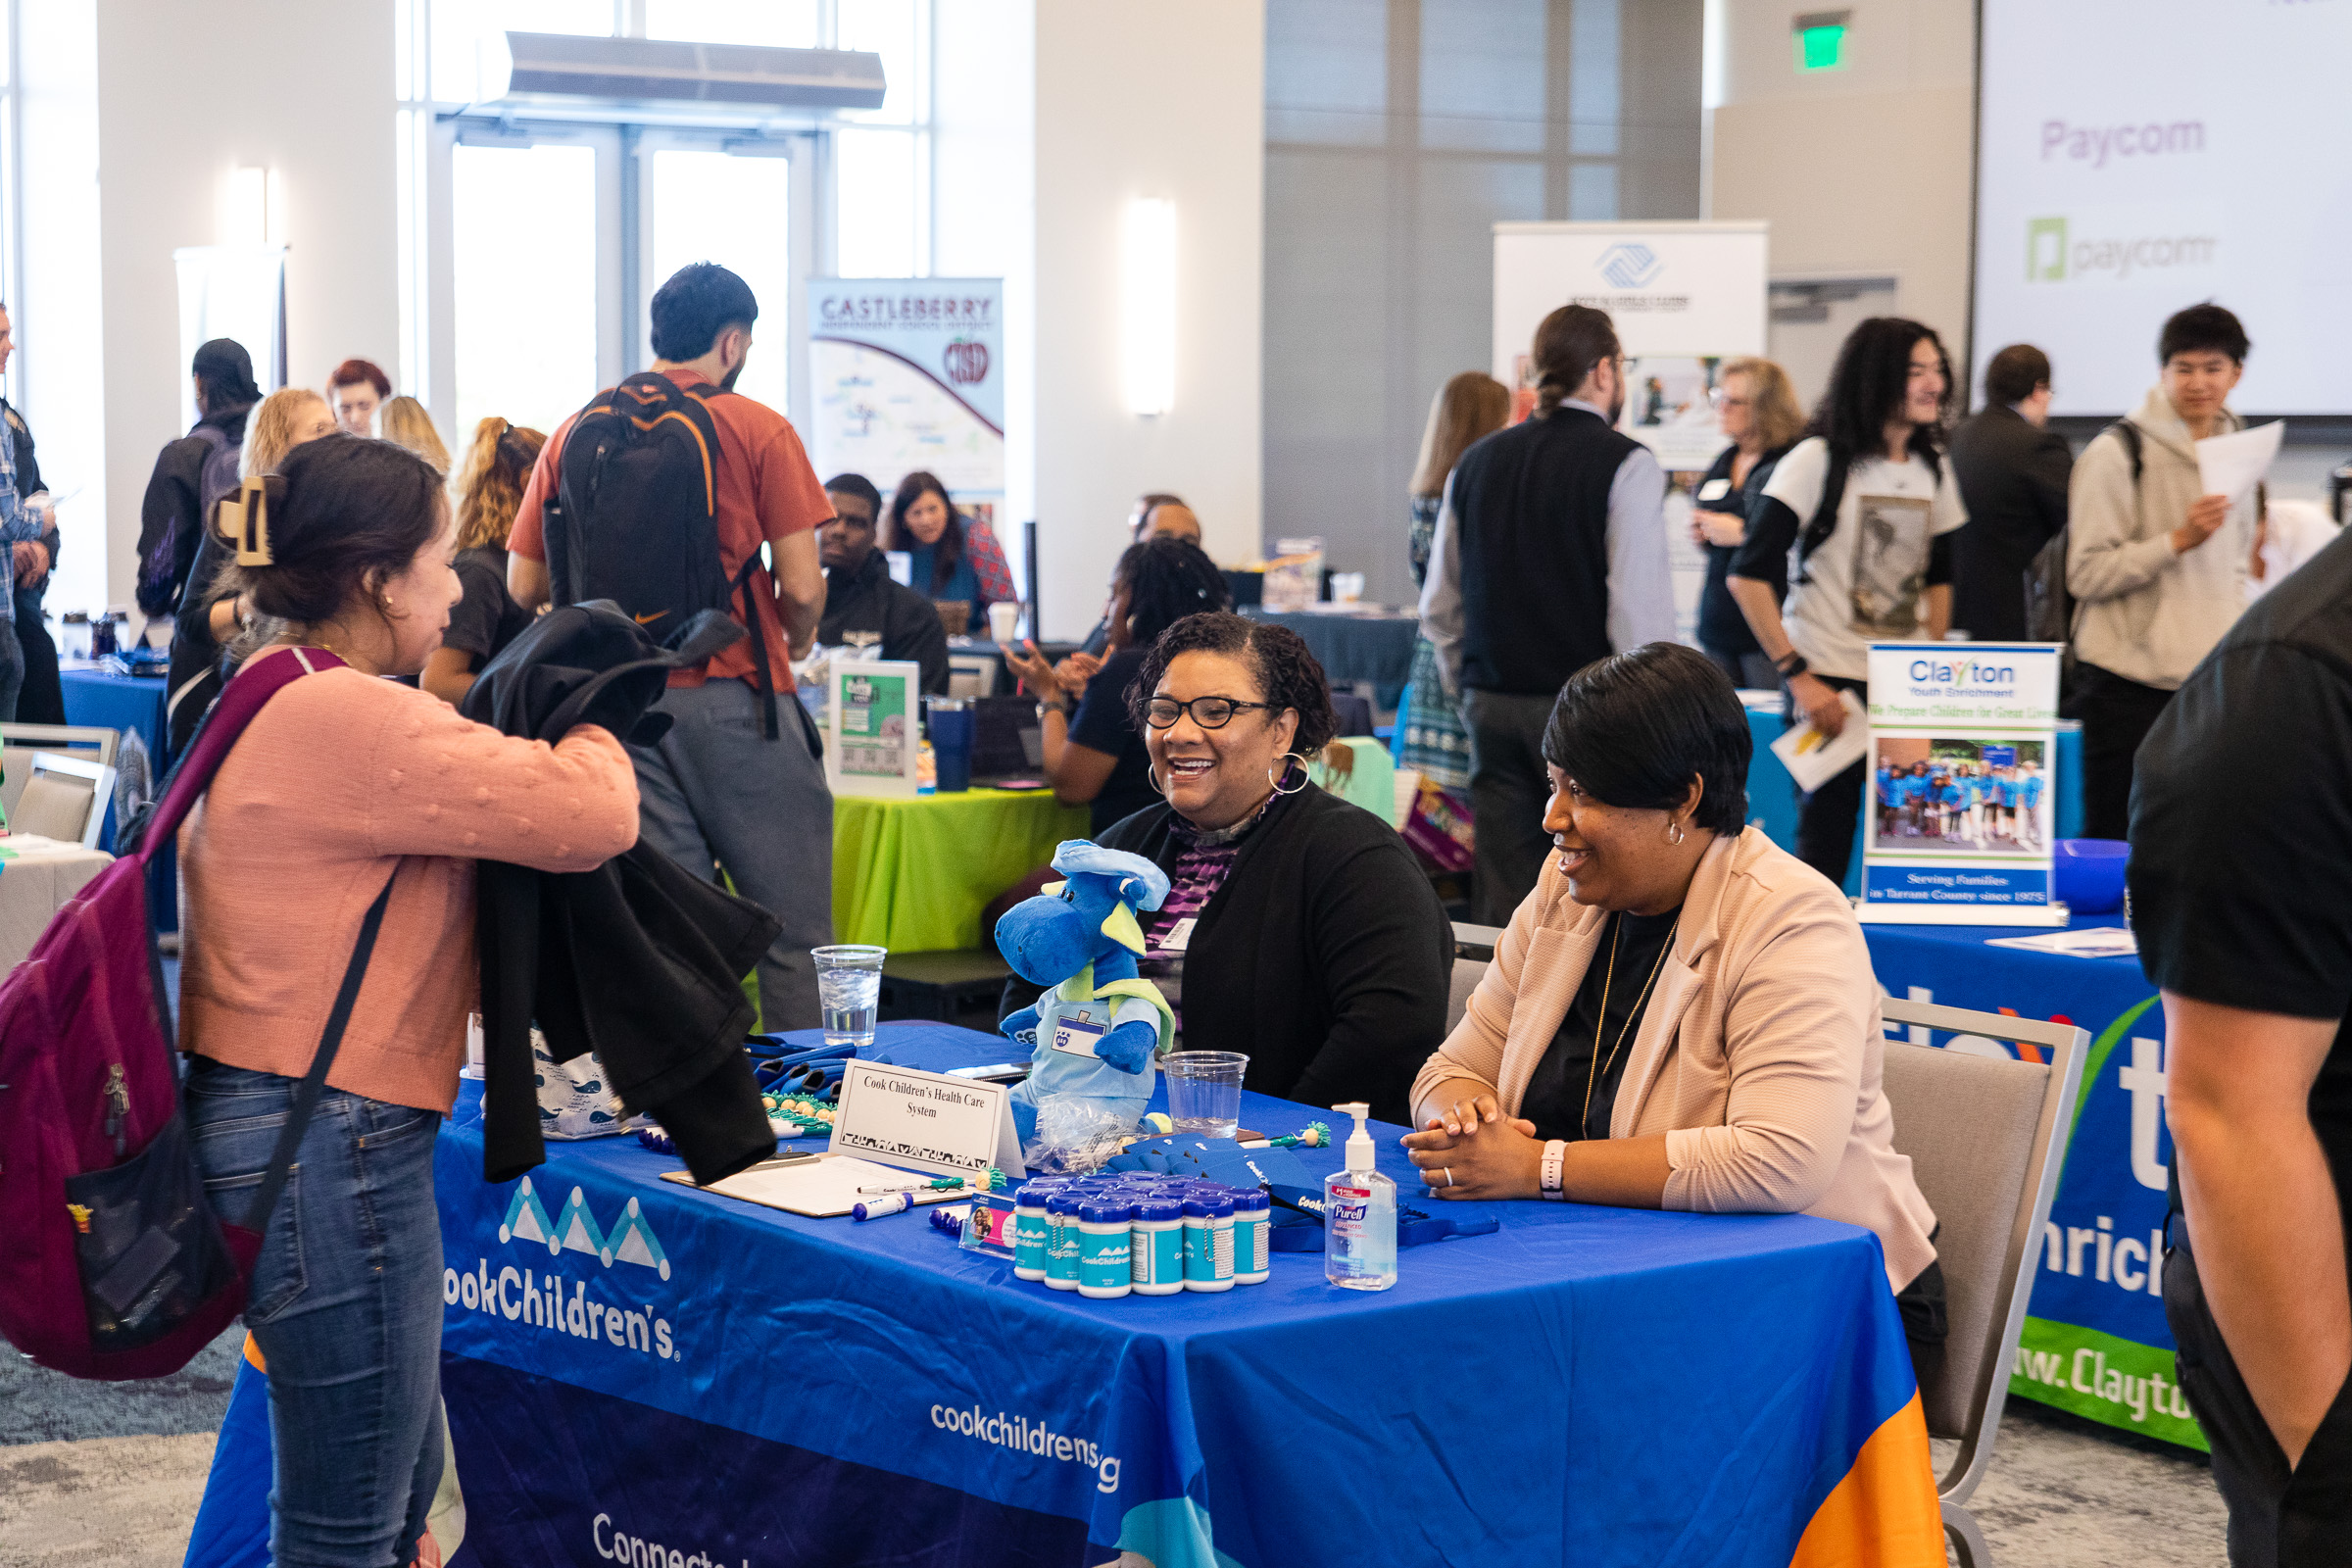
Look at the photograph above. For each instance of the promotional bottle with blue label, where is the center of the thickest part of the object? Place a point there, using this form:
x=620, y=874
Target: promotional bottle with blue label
x=1359, y=1215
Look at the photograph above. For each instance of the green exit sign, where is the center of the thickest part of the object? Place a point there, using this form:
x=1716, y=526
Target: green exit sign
x=1821, y=40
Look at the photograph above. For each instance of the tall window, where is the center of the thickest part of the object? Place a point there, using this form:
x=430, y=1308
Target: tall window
x=534, y=236
x=521, y=219
x=711, y=207
x=1398, y=134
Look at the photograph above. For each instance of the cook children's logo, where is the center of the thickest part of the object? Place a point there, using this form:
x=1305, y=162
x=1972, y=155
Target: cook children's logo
x=632, y=1241
x=547, y=1299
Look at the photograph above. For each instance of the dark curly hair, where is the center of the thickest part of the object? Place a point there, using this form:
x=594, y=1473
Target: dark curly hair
x=1289, y=676
x=1868, y=385
x=1166, y=580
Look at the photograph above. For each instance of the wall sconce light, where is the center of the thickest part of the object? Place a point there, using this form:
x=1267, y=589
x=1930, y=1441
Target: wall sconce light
x=1148, y=304
x=246, y=218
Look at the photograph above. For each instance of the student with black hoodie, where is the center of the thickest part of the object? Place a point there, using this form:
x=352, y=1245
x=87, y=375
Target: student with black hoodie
x=191, y=472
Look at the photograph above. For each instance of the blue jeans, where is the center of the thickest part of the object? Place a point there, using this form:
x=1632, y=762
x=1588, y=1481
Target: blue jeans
x=345, y=1306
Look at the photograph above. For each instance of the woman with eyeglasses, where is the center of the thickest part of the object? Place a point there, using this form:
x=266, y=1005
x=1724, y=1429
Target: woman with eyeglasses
x=1094, y=748
x=1758, y=409
x=1320, y=950
x=1682, y=1015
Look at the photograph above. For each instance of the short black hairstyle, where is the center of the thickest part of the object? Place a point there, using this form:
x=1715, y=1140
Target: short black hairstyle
x=2205, y=329
x=699, y=301
x=2016, y=373
x=1167, y=579
x=1635, y=729
x=858, y=485
x=1868, y=386
x=225, y=372
x=1277, y=655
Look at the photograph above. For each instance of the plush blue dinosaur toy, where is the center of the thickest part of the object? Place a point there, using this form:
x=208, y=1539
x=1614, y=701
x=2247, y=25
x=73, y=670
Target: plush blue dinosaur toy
x=1098, y=1029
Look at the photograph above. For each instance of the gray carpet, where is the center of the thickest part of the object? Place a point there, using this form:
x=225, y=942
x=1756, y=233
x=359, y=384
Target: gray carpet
x=97, y=1473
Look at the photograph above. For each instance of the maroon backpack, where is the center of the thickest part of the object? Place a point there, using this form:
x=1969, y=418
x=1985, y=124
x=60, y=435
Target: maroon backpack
x=112, y=1262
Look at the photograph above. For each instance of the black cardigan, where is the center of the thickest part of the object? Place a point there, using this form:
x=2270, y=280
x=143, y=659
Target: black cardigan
x=1325, y=956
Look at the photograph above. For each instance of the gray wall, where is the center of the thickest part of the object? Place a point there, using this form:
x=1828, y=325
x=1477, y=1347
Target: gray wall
x=1397, y=132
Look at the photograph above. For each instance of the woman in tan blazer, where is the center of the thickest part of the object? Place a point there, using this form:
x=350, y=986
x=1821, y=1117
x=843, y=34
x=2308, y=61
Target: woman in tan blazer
x=1682, y=1015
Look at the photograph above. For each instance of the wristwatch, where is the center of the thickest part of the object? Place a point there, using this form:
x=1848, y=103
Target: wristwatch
x=1793, y=666
x=1043, y=708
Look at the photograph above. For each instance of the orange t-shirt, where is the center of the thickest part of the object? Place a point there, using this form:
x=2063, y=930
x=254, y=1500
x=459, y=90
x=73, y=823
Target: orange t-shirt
x=767, y=492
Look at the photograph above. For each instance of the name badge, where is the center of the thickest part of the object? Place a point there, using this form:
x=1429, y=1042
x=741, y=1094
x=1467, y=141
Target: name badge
x=1077, y=1037
x=1714, y=489
x=1179, y=936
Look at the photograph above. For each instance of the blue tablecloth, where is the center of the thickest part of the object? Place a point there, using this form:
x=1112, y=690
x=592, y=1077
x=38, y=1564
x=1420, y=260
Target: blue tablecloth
x=1772, y=793
x=1376, y=647
x=134, y=705
x=1594, y=1385
x=2095, y=1342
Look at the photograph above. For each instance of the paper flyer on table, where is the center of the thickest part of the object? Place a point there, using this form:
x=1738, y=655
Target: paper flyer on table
x=2234, y=465
x=1814, y=758
x=2091, y=942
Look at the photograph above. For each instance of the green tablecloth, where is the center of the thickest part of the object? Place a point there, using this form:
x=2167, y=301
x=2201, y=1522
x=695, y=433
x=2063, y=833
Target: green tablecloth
x=1372, y=784
x=912, y=873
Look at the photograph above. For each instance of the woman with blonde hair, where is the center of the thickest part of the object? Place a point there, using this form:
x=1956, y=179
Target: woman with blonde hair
x=489, y=492
x=1757, y=408
x=213, y=612
x=405, y=423
x=1431, y=740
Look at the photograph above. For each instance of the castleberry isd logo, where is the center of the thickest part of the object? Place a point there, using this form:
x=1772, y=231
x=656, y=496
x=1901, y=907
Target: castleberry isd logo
x=1630, y=265
x=2045, y=250
x=576, y=1230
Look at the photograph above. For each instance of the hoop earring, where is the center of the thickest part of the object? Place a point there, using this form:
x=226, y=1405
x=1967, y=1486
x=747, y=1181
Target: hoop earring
x=1673, y=831
x=1275, y=780
x=1158, y=787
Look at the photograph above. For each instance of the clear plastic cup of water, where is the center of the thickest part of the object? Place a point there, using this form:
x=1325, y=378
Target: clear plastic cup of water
x=849, y=988
x=1205, y=1092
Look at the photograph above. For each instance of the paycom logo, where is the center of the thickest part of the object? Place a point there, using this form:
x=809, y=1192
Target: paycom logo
x=2127, y=244
x=2045, y=250
x=1630, y=265
x=543, y=1297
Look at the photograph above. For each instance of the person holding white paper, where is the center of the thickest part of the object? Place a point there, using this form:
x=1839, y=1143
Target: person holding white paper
x=1858, y=521
x=2156, y=564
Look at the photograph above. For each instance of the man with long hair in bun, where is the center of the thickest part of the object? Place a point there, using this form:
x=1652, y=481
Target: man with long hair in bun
x=1550, y=552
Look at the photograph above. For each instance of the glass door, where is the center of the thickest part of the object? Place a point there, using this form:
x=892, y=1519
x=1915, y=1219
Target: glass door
x=527, y=308
x=744, y=203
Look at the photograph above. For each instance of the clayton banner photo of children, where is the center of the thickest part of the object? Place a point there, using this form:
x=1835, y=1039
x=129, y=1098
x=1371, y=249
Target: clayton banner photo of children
x=1961, y=799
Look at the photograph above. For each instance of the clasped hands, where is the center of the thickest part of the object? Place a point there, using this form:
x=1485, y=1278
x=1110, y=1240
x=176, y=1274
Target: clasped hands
x=1470, y=1150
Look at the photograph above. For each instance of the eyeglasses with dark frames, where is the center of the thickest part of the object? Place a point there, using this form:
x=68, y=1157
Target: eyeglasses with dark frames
x=1209, y=713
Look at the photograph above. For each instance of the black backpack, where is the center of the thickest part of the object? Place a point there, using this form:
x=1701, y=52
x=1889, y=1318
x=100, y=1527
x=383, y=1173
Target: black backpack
x=636, y=515
x=2049, y=607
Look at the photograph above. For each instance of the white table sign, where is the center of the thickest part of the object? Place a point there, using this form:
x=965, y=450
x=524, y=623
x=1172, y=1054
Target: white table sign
x=925, y=1121
x=873, y=726
x=1962, y=795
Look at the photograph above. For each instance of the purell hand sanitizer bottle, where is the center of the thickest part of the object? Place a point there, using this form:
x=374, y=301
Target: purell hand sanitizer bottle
x=1359, y=1215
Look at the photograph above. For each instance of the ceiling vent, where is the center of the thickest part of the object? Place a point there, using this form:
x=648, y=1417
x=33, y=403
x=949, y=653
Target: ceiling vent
x=550, y=67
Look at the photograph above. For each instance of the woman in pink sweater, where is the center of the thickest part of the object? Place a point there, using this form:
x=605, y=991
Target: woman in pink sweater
x=343, y=782
x=1682, y=1015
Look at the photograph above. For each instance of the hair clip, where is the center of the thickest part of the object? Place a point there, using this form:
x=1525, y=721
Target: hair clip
x=242, y=518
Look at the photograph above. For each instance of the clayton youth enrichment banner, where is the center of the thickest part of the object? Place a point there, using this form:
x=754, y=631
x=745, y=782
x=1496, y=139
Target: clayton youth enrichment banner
x=910, y=373
x=1961, y=799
